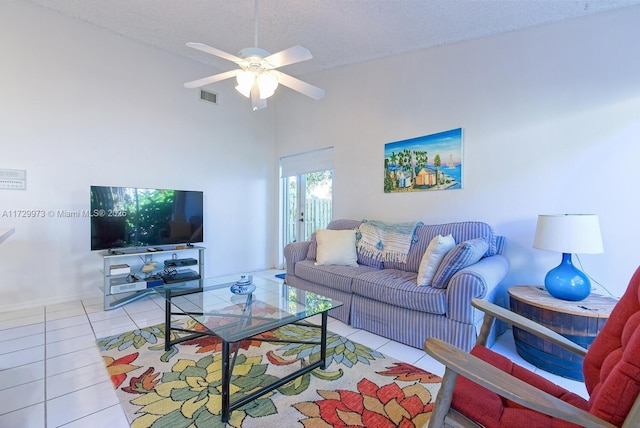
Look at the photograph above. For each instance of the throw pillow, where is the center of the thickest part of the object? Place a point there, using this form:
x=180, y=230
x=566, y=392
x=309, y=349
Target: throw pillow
x=433, y=255
x=464, y=254
x=336, y=247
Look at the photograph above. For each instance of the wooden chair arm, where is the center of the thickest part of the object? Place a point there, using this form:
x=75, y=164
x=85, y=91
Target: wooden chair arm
x=495, y=311
x=505, y=385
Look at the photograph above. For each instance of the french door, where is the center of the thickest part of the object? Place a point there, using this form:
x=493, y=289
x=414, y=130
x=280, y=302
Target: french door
x=307, y=185
x=308, y=204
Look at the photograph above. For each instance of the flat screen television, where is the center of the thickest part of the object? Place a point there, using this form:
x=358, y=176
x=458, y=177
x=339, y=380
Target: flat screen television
x=129, y=217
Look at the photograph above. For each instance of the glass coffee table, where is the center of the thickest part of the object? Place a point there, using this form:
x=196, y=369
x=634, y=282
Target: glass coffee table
x=234, y=318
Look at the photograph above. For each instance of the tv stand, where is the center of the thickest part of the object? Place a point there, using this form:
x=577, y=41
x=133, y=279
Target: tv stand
x=122, y=286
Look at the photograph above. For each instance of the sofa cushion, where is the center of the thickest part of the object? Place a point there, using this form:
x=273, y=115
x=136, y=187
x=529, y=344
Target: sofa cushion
x=336, y=247
x=336, y=277
x=333, y=225
x=437, y=249
x=462, y=231
x=398, y=288
x=344, y=225
x=464, y=254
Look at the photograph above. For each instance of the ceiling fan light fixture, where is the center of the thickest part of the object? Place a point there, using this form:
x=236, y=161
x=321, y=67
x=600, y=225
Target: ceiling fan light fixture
x=257, y=78
x=267, y=83
x=245, y=79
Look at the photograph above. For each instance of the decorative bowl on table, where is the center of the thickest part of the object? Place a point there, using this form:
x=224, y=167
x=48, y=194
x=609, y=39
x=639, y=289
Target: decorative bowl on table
x=243, y=286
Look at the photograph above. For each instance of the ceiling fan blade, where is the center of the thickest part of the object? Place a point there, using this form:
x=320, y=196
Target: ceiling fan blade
x=213, y=51
x=211, y=79
x=288, y=56
x=300, y=86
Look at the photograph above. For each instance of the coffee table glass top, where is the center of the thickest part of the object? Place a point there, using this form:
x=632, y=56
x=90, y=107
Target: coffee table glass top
x=236, y=317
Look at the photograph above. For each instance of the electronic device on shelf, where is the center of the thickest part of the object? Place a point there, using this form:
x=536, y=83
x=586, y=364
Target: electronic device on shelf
x=180, y=262
x=130, y=217
x=173, y=275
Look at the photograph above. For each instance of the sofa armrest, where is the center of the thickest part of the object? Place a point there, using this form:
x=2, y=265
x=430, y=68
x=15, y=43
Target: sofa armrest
x=474, y=282
x=295, y=252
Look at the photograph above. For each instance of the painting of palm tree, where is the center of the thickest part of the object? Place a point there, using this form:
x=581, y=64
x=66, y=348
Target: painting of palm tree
x=430, y=162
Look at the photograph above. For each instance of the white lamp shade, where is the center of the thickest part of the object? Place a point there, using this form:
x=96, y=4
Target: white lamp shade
x=245, y=79
x=569, y=233
x=267, y=82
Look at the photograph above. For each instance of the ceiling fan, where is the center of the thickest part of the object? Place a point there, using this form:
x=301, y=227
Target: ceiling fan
x=257, y=76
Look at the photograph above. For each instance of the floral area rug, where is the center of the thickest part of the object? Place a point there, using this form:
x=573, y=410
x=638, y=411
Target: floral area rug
x=182, y=387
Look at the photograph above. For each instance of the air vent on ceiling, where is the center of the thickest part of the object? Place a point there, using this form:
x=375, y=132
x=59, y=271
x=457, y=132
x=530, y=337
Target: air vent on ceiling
x=209, y=96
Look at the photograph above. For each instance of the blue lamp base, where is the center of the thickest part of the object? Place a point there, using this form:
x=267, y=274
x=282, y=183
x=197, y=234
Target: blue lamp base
x=566, y=282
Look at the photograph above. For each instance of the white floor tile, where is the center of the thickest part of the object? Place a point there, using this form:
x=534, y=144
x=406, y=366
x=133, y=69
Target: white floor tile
x=68, y=333
x=371, y=340
x=22, y=313
x=67, y=322
x=149, y=322
x=93, y=309
x=338, y=327
x=401, y=352
x=74, y=380
x=22, y=343
x=96, y=301
x=79, y=404
x=429, y=364
x=63, y=307
x=28, y=417
x=113, y=326
x=20, y=322
x=20, y=375
x=72, y=361
x=112, y=417
x=144, y=316
x=64, y=313
x=22, y=357
x=142, y=305
x=106, y=315
x=70, y=345
x=111, y=323
x=20, y=332
x=21, y=396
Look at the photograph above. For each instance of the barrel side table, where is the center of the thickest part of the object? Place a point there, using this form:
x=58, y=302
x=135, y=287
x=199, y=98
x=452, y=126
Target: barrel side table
x=579, y=322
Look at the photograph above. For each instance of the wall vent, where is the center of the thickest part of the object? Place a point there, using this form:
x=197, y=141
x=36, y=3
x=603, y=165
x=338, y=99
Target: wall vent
x=209, y=96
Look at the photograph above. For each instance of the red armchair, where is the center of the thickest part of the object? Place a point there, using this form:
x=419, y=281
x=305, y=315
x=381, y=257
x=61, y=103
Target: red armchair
x=491, y=391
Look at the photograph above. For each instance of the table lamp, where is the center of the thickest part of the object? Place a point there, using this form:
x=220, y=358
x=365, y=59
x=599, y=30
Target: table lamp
x=568, y=234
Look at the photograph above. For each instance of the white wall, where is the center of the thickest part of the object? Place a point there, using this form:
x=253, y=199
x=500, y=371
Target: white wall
x=82, y=106
x=549, y=118
x=550, y=121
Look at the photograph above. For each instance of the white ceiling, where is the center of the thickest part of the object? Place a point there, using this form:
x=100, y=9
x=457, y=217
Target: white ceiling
x=337, y=32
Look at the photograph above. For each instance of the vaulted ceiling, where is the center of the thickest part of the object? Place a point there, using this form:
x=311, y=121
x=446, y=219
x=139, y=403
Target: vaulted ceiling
x=337, y=32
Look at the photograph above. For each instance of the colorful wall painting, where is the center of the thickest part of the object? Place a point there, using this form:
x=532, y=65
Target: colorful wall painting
x=431, y=162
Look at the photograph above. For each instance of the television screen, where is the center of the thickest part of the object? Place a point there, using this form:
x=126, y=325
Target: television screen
x=124, y=217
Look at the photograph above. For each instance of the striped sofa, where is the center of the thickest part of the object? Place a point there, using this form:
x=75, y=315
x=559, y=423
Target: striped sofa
x=385, y=299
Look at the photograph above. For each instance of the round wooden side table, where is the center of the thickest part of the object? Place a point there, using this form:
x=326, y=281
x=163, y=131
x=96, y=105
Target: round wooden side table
x=578, y=321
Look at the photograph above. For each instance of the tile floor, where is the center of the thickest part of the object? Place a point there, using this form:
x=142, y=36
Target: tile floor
x=51, y=374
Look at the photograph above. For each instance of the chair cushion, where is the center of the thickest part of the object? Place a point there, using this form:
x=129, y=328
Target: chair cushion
x=490, y=410
x=611, y=371
x=611, y=367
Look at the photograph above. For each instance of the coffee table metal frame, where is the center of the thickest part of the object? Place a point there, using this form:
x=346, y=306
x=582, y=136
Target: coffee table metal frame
x=229, y=347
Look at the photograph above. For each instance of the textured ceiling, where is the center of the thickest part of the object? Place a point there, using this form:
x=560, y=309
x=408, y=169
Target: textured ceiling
x=337, y=32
